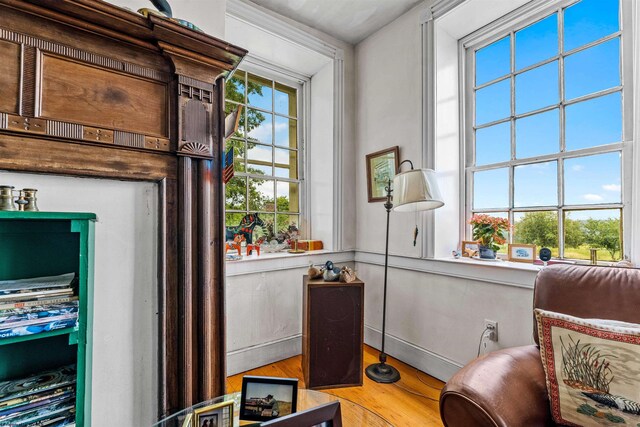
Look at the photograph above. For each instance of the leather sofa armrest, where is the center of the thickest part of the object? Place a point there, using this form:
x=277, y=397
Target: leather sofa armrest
x=505, y=388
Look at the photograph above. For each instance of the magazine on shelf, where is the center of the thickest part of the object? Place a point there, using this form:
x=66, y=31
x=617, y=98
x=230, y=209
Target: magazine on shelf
x=27, y=304
x=64, y=419
x=32, y=295
x=60, y=281
x=37, y=397
x=38, y=321
x=38, y=414
x=42, y=381
x=8, y=413
x=37, y=312
x=19, y=331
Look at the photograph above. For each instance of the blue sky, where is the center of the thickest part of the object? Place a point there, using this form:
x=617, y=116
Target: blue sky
x=595, y=122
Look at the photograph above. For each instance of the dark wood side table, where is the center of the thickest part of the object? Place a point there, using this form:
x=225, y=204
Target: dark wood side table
x=332, y=333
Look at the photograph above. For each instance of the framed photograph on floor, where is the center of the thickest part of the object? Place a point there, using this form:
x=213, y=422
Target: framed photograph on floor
x=266, y=398
x=216, y=415
x=520, y=252
x=381, y=166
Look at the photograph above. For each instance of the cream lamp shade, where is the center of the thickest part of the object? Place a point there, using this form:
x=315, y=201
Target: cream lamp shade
x=416, y=190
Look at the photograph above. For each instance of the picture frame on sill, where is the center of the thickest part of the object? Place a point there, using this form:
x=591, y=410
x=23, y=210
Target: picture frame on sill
x=216, y=415
x=381, y=166
x=521, y=252
x=266, y=398
x=469, y=248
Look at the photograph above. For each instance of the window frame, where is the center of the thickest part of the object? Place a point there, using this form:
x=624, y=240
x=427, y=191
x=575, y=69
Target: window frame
x=301, y=83
x=507, y=26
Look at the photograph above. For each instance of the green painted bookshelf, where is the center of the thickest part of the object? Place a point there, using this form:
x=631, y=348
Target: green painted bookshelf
x=36, y=244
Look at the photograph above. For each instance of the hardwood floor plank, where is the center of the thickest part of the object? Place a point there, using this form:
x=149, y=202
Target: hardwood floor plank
x=412, y=401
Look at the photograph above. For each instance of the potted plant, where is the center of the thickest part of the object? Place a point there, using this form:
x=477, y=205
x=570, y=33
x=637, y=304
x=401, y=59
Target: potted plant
x=489, y=232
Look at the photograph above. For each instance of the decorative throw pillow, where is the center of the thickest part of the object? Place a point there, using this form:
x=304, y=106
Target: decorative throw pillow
x=592, y=368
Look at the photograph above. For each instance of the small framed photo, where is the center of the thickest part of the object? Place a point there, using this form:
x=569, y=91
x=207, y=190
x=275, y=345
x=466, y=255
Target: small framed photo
x=382, y=166
x=217, y=415
x=266, y=398
x=520, y=252
x=469, y=248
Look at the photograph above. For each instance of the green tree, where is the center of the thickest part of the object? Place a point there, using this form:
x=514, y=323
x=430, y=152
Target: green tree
x=574, y=233
x=605, y=234
x=539, y=228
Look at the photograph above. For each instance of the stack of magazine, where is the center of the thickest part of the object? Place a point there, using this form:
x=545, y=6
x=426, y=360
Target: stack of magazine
x=40, y=304
x=46, y=399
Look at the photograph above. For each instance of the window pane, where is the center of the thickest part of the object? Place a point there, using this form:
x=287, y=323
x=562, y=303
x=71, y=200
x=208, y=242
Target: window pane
x=599, y=229
x=537, y=228
x=233, y=219
x=592, y=179
x=260, y=93
x=493, y=144
x=493, y=61
x=236, y=191
x=259, y=159
x=593, y=69
x=537, y=88
x=260, y=126
x=288, y=197
x=594, y=122
x=286, y=221
x=536, y=184
x=589, y=20
x=538, y=134
x=238, y=153
x=286, y=163
x=261, y=195
x=491, y=189
x=537, y=42
x=286, y=100
x=234, y=89
x=493, y=102
x=286, y=132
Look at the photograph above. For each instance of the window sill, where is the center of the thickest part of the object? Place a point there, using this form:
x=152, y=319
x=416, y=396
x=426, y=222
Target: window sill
x=284, y=261
x=500, y=263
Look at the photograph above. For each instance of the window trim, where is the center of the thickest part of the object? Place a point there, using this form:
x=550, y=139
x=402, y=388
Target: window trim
x=506, y=26
x=261, y=68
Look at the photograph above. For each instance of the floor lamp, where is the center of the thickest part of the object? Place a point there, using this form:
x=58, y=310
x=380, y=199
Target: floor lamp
x=415, y=190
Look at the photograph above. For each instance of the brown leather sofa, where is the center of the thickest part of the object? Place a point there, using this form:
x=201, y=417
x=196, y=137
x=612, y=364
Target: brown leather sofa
x=507, y=388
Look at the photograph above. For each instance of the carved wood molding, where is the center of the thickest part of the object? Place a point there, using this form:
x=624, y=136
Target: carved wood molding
x=81, y=133
x=82, y=55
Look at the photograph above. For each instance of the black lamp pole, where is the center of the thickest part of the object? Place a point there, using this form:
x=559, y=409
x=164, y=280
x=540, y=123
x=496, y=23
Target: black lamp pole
x=381, y=372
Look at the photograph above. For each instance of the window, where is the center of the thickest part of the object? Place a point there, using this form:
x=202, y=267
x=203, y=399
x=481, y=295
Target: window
x=546, y=139
x=266, y=153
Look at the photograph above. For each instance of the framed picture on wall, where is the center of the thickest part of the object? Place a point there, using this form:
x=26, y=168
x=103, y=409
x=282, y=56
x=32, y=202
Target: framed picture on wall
x=382, y=166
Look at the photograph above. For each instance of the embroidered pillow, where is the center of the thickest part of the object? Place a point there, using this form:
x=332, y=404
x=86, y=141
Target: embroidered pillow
x=592, y=368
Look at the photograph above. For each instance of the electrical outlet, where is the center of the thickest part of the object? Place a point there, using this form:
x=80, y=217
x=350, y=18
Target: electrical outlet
x=492, y=326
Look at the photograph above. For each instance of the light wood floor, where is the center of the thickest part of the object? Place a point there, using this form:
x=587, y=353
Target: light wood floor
x=412, y=401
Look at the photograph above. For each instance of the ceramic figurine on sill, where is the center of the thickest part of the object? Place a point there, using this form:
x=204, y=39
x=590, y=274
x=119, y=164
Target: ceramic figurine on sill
x=235, y=244
x=256, y=246
x=246, y=226
x=314, y=272
x=331, y=273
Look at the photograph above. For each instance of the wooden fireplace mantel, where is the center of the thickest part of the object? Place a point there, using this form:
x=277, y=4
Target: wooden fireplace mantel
x=90, y=89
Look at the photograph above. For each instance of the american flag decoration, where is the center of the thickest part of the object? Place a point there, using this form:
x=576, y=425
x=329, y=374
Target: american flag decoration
x=227, y=172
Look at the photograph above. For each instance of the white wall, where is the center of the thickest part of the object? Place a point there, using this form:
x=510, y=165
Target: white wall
x=125, y=334
x=434, y=320
x=208, y=15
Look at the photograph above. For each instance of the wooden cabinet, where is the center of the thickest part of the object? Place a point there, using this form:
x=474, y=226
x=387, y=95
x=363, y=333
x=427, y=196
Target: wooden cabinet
x=37, y=244
x=332, y=333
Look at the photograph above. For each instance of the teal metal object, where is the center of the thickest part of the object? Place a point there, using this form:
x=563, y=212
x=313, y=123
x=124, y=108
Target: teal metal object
x=34, y=244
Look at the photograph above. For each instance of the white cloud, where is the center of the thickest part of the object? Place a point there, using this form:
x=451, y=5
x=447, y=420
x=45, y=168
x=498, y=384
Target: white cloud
x=592, y=197
x=577, y=168
x=612, y=187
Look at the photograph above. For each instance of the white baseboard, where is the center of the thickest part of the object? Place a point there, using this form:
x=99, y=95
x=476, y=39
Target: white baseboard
x=253, y=357
x=433, y=364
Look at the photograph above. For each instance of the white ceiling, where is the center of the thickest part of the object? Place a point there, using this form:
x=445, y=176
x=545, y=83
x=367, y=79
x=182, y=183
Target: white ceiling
x=348, y=20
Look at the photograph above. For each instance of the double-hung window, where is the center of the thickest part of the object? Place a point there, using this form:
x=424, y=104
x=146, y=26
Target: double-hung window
x=547, y=129
x=266, y=152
